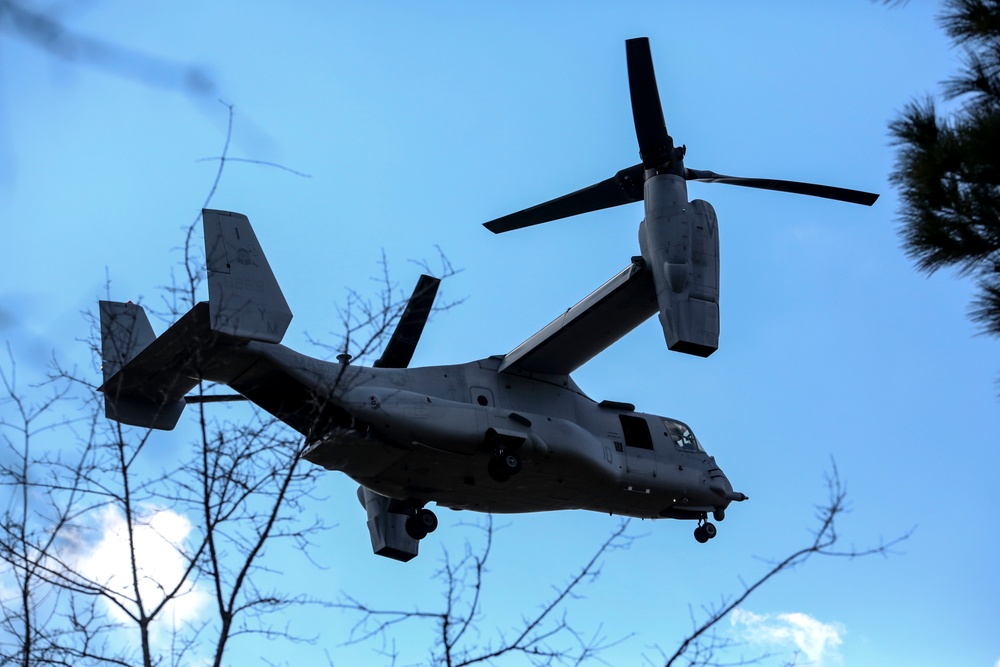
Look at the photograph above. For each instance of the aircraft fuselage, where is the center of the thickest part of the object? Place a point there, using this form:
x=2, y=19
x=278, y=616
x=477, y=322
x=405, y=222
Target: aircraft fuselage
x=427, y=434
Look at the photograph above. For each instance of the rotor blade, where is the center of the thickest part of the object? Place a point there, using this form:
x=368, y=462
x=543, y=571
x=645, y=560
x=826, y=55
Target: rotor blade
x=399, y=351
x=624, y=187
x=215, y=398
x=655, y=145
x=795, y=187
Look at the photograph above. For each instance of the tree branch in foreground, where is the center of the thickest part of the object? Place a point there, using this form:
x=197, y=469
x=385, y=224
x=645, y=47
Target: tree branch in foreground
x=700, y=647
x=545, y=637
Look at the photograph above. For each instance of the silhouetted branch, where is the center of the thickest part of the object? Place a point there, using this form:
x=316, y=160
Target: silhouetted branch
x=264, y=163
x=236, y=488
x=701, y=646
x=541, y=636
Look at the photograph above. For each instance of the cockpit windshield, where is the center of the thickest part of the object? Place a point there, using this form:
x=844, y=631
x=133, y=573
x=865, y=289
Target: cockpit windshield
x=682, y=436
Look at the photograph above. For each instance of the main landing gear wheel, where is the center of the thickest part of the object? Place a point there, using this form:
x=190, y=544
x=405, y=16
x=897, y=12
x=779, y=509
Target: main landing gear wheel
x=420, y=524
x=705, y=532
x=503, y=466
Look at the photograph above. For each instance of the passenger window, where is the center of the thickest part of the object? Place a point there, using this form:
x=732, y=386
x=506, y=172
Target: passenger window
x=636, y=432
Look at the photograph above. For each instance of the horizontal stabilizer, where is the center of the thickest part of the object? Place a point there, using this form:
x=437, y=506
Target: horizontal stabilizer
x=243, y=294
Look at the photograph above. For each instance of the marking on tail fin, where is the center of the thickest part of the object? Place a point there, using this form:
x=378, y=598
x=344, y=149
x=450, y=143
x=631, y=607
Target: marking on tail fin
x=245, y=256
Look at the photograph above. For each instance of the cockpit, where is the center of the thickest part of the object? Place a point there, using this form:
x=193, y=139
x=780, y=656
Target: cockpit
x=682, y=436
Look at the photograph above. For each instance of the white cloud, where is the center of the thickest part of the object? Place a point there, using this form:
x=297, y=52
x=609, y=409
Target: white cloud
x=159, y=544
x=816, y=640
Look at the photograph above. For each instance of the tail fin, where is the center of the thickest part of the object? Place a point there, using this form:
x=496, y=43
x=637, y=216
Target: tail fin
x=129, y=395
x=243, y=295
x=147, y=378
x=125, y=332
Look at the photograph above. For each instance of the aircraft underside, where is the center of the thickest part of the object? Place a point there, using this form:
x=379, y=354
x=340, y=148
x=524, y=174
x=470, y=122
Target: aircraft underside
x=419, y=473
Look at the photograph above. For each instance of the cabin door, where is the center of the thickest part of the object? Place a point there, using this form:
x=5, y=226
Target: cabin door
x=639, y=454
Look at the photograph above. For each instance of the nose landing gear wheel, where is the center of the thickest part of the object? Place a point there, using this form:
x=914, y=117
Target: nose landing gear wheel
x=705, y=532
x=421, y=523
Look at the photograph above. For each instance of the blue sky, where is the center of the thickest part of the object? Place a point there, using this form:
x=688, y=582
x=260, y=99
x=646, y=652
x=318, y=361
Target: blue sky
x=418, y=122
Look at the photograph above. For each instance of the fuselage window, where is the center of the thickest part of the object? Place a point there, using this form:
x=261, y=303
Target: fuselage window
x=682, y=436
x=636, y=432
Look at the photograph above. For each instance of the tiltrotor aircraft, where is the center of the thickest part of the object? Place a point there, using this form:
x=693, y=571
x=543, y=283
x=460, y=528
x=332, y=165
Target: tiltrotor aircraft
x=510, y=433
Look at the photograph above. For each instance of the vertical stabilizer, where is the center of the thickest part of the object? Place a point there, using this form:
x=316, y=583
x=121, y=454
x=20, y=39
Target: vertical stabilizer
x=129, y=392
x=243, y=294
x=125, y=332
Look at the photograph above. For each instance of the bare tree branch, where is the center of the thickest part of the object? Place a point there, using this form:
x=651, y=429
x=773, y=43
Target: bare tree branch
x=241, y=487
x=700, y=647
x=544, y=637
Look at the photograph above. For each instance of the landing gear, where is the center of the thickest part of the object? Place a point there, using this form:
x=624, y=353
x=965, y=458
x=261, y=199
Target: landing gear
x=704, y=532
x=503, y=465
x=421, y=523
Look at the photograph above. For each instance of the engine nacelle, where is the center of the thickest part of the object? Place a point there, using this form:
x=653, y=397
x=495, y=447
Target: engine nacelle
x=679, y=241
x=387, y=529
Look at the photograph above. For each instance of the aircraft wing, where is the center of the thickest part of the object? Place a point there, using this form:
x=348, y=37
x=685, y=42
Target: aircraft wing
x=583, y=331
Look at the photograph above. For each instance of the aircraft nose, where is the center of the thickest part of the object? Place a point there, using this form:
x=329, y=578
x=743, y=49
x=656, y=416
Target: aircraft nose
x=720, y=486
